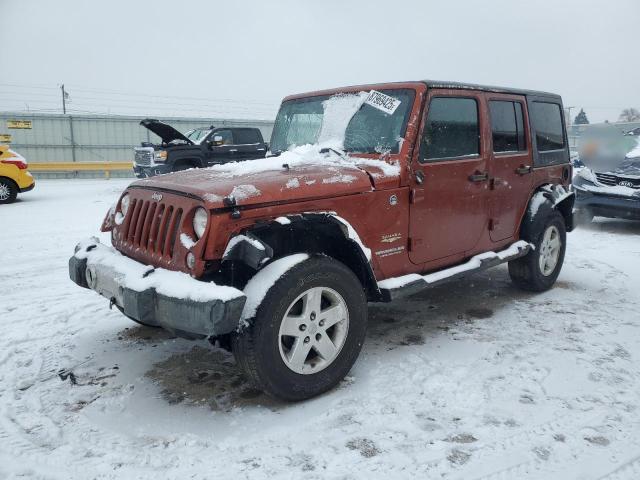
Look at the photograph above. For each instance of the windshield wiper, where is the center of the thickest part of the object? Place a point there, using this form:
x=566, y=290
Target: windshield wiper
x=329, y=149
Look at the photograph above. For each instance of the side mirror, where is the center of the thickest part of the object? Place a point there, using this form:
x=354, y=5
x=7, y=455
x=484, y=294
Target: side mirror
x=217, y=140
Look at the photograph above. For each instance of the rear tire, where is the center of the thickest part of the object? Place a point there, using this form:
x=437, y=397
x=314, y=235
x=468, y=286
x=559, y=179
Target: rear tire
x=8, y=191
x=538, y=270
x=307, y=331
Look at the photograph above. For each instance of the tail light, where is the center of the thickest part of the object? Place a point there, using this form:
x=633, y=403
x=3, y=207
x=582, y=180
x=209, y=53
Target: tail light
x=21, y=164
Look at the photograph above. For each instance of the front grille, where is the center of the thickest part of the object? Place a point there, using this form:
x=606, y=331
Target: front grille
x=152, y=227
x=144, y=157
x=612, y=180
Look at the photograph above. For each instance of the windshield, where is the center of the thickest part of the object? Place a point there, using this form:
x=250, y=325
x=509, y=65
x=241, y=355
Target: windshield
x=197, y=135
x=370, y=130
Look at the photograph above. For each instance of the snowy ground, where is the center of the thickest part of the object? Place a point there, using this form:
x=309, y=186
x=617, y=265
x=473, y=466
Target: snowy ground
x=471, y=380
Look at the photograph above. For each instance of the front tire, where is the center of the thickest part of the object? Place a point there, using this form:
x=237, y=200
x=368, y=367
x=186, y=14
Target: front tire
x=539, y=269
x=8, y=191
x=307, y=331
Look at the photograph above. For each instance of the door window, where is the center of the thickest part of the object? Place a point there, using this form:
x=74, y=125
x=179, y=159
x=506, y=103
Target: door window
x=507, y=126
x=247, y=136
x=547, y=122
x=227, y=137
x=451, y=129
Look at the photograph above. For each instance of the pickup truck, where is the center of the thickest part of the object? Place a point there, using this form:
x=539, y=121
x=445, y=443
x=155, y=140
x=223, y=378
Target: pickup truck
x=369, y=193
x=200, y=147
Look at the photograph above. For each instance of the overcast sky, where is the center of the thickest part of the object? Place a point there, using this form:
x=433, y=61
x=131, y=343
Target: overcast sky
x=240, y=58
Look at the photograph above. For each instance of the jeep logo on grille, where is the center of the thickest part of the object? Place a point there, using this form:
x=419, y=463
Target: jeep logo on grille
x=156, y=196
x=626, y=183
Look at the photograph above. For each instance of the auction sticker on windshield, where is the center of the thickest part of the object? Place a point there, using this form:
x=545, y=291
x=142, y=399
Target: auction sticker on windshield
x=382, y=102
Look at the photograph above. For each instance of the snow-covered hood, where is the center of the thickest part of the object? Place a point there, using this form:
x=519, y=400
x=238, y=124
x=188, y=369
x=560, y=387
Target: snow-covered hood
x=301, y=174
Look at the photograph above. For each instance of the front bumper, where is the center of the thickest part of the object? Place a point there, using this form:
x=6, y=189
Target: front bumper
x=187, y=307
x=607, y=205
x=144, y=171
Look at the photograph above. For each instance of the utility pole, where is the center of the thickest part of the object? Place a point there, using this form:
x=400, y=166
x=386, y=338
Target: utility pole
x=64, y=99
x=569, y=121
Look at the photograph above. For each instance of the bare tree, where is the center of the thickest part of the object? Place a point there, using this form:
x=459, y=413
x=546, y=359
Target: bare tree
x=629, y=115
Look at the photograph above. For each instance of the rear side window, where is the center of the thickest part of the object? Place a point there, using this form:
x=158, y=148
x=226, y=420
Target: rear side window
x=547, y=122
x=451, y=129
x=245, y=136
x=507, y=126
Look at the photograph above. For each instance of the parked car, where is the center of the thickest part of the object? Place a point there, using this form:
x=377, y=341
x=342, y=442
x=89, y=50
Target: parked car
x=200, y=147
x=633, y=133
x=14, y=176
x=370, y=193
x=608, y=189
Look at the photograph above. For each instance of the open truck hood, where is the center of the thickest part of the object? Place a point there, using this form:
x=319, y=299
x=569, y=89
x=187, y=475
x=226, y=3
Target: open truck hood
x=166, y=132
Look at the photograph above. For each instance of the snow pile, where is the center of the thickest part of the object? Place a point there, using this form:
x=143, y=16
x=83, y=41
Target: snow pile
x=339, y=178
x=293, y=183
x=302, y=156
x=186, y=241
x=139, y=277
x=338, y=112
x=242, y=192
x=557, y=193
x=472, y=264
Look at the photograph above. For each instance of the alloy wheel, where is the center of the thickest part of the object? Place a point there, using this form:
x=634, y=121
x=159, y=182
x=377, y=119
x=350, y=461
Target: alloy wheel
x=313, y=330
x=550, y=250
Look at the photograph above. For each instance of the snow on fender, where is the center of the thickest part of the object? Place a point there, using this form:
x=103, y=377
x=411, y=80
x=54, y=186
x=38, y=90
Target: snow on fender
x=262, y=281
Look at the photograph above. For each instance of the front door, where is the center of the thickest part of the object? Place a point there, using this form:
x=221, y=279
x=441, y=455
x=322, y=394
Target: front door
x=511, y=164
x=223, y=152
x=449, y=210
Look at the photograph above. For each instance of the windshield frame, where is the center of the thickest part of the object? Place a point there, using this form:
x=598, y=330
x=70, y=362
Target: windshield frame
x=418, y=90
x=202, y=138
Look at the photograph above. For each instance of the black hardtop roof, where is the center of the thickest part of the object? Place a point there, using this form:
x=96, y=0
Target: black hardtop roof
x=486, y=88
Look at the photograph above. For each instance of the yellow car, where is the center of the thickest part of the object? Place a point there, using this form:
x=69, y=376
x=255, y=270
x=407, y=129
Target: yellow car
x=14, y=176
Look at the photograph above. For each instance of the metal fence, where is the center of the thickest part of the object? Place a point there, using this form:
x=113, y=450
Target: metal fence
x=44, y=138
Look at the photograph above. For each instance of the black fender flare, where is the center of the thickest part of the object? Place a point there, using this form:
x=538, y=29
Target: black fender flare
x=545, y=199
x=324, y=233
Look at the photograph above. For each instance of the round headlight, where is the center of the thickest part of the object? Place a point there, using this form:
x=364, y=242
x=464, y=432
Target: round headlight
x=200, y=219
x=124, y=204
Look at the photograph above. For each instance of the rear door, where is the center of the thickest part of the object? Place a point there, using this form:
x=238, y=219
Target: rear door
x=449, y=211
x=248, y=143
x=511, y=165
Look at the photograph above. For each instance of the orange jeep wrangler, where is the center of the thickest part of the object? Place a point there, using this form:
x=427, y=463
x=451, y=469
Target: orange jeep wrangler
x=368, y=193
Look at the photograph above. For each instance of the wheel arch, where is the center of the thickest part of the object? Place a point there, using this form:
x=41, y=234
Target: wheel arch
x=312, y=233
x=545, y=199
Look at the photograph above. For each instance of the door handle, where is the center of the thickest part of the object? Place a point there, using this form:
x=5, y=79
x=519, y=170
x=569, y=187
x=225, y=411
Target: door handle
x=233, y=150
x=524, y=169
x=419, y=177
x=479, y=177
